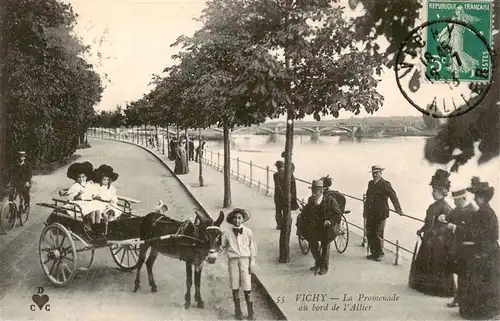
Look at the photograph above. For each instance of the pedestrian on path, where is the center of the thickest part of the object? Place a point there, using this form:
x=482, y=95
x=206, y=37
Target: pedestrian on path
x=239, y=245
x=376, y=211
x=279, y=193
x=320, y=216
x=481, y=294
x=461, y=216
x=181, y=159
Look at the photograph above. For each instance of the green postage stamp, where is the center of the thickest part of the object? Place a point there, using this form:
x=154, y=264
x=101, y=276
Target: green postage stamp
x=455, y=50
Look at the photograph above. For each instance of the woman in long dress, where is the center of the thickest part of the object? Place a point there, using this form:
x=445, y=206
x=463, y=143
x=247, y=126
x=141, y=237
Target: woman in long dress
x=480, y=298
x=181, y=161
x=429, y=273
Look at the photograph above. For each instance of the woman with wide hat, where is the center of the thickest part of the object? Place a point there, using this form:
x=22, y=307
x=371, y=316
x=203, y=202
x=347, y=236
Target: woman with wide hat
x=429, y=273
x=481, y=294
x=83, y=191
x=104, y=176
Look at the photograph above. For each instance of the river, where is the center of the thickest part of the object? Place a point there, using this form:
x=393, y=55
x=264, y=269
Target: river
x=348, y=163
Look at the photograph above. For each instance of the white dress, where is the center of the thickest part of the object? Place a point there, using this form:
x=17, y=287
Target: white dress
x=110, y=199
x=86, y=200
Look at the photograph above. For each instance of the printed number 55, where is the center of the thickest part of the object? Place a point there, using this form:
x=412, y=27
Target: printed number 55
x=280, y=299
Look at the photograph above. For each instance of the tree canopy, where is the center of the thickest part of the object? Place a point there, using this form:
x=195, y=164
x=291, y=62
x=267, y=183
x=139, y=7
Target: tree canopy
x=48, y=88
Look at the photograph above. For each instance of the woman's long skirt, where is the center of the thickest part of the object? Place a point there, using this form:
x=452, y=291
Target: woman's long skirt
x=429, y=273
x=480, y=298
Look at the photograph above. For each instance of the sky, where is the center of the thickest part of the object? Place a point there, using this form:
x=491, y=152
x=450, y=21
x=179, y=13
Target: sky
x=137, y=35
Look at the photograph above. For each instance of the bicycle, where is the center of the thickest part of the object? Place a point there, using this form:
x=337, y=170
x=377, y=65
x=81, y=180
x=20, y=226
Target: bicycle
x=11, y=210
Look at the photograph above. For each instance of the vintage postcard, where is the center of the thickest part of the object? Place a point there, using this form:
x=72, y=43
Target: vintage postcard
x=249, y=160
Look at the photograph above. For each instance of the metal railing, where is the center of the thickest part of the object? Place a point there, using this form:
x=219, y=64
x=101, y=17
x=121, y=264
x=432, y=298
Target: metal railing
x=245, y=172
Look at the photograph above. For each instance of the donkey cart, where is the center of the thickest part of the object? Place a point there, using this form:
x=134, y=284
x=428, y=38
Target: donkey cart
x=65, y=229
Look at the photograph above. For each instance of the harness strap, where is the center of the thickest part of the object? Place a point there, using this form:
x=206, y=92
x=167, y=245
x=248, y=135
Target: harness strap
x=182, y=227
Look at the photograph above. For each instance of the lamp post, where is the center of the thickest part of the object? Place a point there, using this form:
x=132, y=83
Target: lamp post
x=200, y=156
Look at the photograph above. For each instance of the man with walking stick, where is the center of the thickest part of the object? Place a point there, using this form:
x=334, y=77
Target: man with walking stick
x=376, y=211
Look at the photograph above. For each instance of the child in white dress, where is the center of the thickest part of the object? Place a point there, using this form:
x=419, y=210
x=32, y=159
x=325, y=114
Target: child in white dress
x=83, y=191
x=106, y=193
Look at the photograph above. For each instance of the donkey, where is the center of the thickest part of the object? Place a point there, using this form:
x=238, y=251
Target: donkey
x=190, y=242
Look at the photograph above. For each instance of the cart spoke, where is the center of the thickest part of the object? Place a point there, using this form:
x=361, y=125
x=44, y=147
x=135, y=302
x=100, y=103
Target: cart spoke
x=123, y=255
x=62, y=242
x=118, y=251
x=58, y=271
x=62, y=271
x=134, y=255
x=52, y=267
x=128, y=257
x=47, y=260
x=48, y=241
x=69, y=259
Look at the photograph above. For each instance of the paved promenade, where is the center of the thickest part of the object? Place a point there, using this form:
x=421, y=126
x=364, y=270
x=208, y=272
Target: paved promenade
x=104, y=293
x=353, y=284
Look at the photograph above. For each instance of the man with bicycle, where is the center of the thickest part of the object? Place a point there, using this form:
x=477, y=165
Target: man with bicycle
x=20, y=176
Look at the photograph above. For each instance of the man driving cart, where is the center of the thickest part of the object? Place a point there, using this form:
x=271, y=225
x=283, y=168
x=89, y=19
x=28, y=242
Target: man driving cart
x=319, y=224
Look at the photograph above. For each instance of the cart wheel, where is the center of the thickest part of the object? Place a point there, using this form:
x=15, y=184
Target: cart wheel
x=125, y=256
x=342, y=240
x=57, y=254
x=24, y=212
x=304, y=245
x=8, y=216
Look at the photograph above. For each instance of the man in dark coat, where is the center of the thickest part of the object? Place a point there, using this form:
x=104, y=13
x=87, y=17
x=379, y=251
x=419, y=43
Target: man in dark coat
x=20, y=176
x=279, y=193
x=462, y=215
x=173, y=148
x=191, y=150
x=320, y=215
x=280, y=201
x=376, y=211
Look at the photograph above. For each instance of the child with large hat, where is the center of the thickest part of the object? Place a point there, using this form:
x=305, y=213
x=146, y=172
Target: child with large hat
x=104, y=176
x=240, y=247
x=83, y=191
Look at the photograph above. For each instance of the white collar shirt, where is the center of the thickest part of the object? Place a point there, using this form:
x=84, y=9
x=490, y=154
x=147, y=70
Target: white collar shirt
x=242, y=245
x=319, y=200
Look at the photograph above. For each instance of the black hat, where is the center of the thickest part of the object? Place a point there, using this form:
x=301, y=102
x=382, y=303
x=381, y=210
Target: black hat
x=327, y=181
x=105, y=170
x=440, y=179
x=279, y=164
x=482, y=189
x=76, y=169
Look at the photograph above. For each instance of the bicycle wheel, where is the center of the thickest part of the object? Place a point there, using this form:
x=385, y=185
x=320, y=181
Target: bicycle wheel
x=8, y=215
x=304, y=245
x=23, y=211
x=342, y=240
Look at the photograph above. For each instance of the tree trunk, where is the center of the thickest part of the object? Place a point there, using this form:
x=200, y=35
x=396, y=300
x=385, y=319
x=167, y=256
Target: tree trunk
x=286, y=226
x=177, y=132
x=227, y=168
